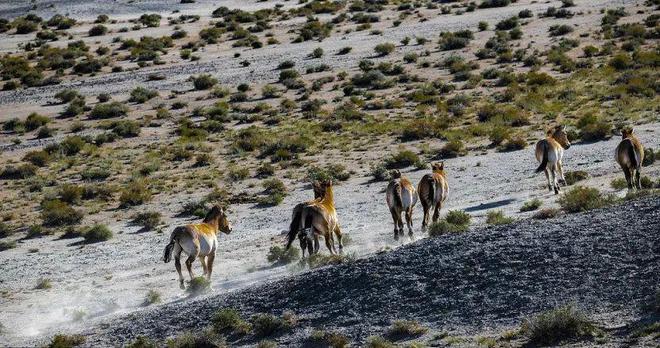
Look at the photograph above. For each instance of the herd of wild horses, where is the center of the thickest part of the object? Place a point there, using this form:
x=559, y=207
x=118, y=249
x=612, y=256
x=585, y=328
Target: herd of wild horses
x=318, y=217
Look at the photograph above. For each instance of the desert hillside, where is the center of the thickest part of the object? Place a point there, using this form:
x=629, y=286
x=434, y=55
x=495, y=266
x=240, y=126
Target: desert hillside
x=121, y=120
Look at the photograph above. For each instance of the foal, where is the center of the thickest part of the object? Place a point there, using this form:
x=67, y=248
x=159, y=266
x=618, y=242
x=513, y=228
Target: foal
x=432, y=190
x=294, y=227
x=401, y=197
x=319, y=218
x=549, y=152
x=630, y=155
x=197, y=240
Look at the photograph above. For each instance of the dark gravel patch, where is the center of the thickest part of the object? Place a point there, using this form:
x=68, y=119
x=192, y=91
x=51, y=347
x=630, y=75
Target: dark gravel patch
x=604, y=261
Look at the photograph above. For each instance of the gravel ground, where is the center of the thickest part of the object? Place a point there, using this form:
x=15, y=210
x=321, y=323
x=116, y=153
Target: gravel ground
x=604, y=261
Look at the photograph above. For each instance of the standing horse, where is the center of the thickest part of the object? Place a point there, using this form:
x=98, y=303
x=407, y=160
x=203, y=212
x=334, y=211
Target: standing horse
x=630, y=155
x=319, y=218
x=401, y=197
x=549, y=152
x=197, y=240
x=432, y=190
x=294, y=227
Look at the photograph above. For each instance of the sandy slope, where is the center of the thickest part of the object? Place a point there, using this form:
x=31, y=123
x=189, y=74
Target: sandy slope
x=111, y=277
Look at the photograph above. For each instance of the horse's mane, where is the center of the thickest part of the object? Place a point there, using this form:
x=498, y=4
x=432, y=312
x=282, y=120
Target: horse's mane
x=212, y=214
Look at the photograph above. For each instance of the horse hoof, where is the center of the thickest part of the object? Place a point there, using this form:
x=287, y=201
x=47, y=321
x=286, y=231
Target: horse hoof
x=182, y=287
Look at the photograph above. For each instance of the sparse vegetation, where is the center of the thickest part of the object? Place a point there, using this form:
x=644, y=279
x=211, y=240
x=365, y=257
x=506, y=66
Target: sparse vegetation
x=558, y=324
x=582, y=198
x=198, y=286
x=281, y=256
x=66, y=341
x=497, y=217
x=531, y=205
x=97, y=233
x=456, y=221
x=229, y=321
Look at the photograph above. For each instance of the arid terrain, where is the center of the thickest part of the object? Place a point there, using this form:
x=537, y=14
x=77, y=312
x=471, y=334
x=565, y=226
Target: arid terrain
x=123, y=119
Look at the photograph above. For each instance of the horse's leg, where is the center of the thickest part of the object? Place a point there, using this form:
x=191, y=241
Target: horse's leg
x=316, y=242
x=553, y=178
x=209, y=264
x=202, y=260
x=400, y=219
x=189, y=262
x=303, y=246
x=547, y=178
x=396, y=225
x=638, y=182
x=628, y=173
x=339, y=237
x=425, y=219
x=436, y=211
x=409, y=221
x=177, y=264
x=329, y=242
x=560, y=169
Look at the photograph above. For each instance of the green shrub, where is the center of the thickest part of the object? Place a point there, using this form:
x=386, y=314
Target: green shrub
x=58, y=213
x=7, y=245
x=621, y=61
x=275, y=191
x=593, y=128
x=452, y=149
x=148, y=219
x=496, y=217
x=150, y=19
x=126, y=128
x=264, y=325
x=329, y=338
x=22, y=171
x=140, y=95
x=70, y=193
x=378, y=342
x=402, y=159
x=379, y=172
x=43, y=284
x=267, y=344
x=135, y=193
x=204, y=81
x=583, y=198
x=458, y=217
x=649, y=157
x=98, y=30
x=108, y=110
x=34, y=121
x=5, y=230
x=281, y=256
x=332, y=171
x=384, y=48
x=321, y=260
x=573, y=177
x=152, y=297
x=198, y=286
x=206, y=338
x=559, y=30
x=197, y=208
x=558, y=324
x=229, y=321
x=619, y=184
x=531, y=205
x=406, y=328
x=66, y=341
x=97, y=233
x=142, y=342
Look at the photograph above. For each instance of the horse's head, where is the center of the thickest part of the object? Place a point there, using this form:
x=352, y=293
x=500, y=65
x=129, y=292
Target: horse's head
x=395, y=174
x=438, y=167
x=319, y=190
x=627, y=133
x=219, y=215
x=559, y=134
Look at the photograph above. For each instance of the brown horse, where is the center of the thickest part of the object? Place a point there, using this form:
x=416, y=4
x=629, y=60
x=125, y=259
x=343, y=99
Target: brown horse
x=432, y=190
x=197, y=240
x=630, y=155
x=319, y=218
x=549, y=152
x=294, y=227
x=401, y=197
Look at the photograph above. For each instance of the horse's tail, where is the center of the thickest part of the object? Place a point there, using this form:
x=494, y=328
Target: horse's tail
x=397, y=194
x=294, y=227
x=632, y=154
x=167, y=253
x=431, y=193
x=544, y=160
